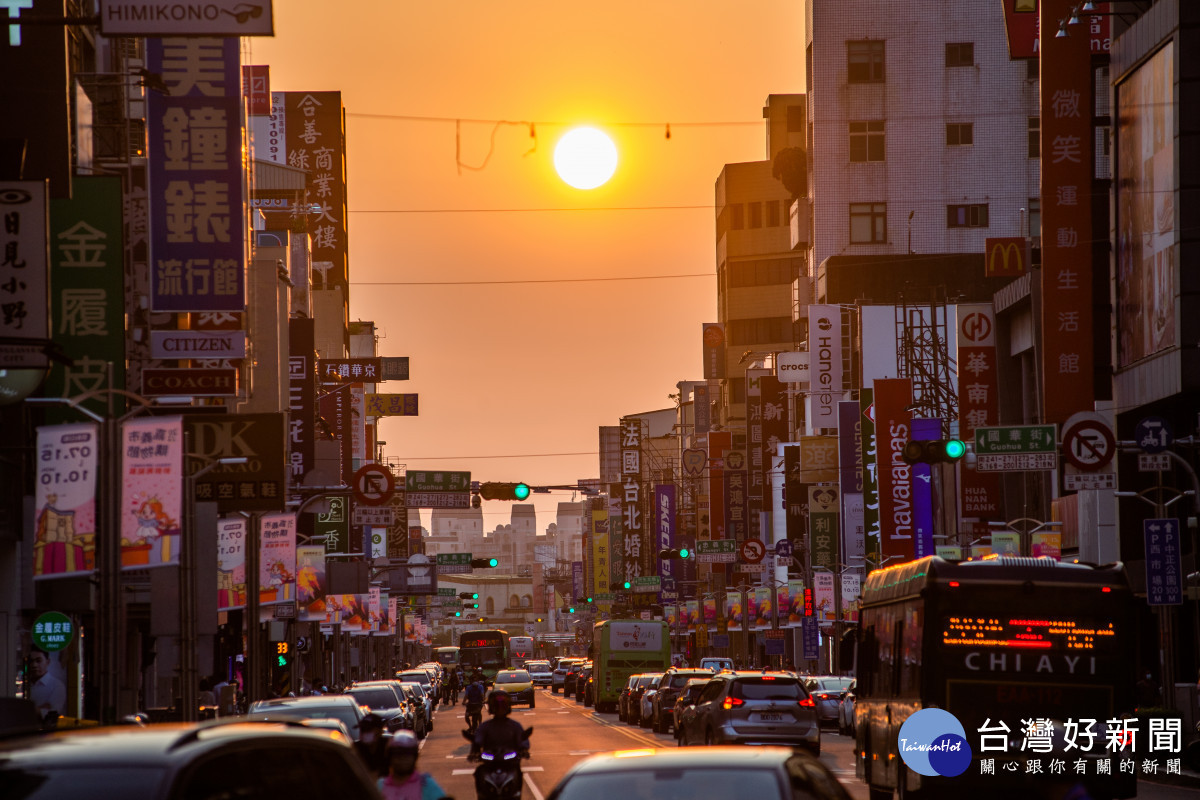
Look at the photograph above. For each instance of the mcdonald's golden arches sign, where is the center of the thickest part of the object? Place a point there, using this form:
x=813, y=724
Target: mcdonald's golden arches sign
x=1007, y=257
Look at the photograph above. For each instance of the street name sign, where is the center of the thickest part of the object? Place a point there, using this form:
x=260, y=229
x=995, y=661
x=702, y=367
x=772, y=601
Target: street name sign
x=1016, y=448
x=716, y=551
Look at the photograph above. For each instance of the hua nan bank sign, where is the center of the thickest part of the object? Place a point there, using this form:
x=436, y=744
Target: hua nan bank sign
x=207, y=18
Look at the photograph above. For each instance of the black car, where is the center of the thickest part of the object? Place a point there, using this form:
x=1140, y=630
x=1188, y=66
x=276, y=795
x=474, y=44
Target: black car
x=669, y=687
x=581, y=683
x=387, y=699
x=338, y=706
x=762, y=773
x=572, y=677
x=633, y=706
x=230, y=757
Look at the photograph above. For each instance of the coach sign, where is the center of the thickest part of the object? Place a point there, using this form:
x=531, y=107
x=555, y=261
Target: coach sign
x=207, y=18
x=197, y=344
x=222, y=382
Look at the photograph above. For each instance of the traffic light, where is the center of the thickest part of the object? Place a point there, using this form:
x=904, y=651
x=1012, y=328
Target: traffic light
x=936, y=451
x=468, y=595
x=458, y=613
x=470, y=605
x=484, y=562
x=589, y=599
x=504, y=491
x=283, y=653
x=675, y=552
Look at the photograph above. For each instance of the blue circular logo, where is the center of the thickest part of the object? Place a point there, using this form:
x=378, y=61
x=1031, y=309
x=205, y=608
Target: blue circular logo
x=933, y=742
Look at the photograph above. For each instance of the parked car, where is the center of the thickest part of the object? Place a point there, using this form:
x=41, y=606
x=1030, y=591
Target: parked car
x=414, y=693
x=846, y=710
x=519, y=685
x=230, y=757
x=558, y=679
x=338, y=706
x=540, y=672
x=385, y=703
x=426, y=699
x=669, y=687
x=633, y=710
x=581, y=682
x=827, y=692
x=685, y=704
x=763, y=773
x=623, y=697
x=754, y=708
x=646, y=714
x=422, y=677
x=572, y=675
x=411, y=705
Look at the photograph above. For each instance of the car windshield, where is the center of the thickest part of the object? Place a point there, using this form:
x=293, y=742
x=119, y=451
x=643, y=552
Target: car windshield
x=834, y=684
x=417, y=689
x=539, y=668
x=117, y=782
x=375, y=698
x=675, y=784
x=680, y=681
x=419, y=677
x=767, y=688
x=513, y=677
x=648, y=680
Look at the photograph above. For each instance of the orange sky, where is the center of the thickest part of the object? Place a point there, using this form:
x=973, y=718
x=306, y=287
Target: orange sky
x=514, y=371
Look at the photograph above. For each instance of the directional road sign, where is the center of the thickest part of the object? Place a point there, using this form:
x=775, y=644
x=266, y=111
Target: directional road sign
x=716, y=551
x=1153, y=434
x=1164, y=578
x=1016, y=448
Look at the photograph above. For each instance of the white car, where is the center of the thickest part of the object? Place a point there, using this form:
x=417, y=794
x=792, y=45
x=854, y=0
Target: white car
x=647, y=717
x=540, y=672
x=716, y=664
x=846, y=710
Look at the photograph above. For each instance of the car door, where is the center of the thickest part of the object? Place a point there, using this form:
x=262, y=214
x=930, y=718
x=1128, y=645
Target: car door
x=703, y=710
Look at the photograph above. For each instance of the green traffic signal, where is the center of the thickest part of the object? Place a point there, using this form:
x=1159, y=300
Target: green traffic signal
x=684, y=552
x=934, y=451
x=458, y=613
x=628, y=585
x=589, y=599
x=468, y=595
x=571, y=610
x=495, y=490
x=521, y=491
x=955, y=449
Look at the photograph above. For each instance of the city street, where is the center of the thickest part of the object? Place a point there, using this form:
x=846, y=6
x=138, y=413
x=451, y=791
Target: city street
x=565, y=732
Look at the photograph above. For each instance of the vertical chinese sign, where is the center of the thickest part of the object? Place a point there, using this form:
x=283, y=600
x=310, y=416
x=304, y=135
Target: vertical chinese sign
x=24, y=306
x=823, y=511
x=64, y=541
x=1066, y=175
x=151, y=491
x=757, y=468
x=315, y=130
x=600, y=553
x=631, y=473
x=197, y=215
x=302, y=399
x=978, y=405
x=87, y=257
x=277, y=558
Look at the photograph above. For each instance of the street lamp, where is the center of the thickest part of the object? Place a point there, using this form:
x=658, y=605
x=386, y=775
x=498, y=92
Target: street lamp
x=188, y=682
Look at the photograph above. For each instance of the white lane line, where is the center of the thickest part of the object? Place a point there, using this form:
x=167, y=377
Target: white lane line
x=463, y=772
x=582, y=752
x=537, y=795
x=562, y=712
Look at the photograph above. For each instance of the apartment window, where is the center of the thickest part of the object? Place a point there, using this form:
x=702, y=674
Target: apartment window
x=764, y=272
x=737, y=217
x=974, y=215
x=764, y=330
x=795, y=119
x=959, y=133
x=866, y=141
x=1035, y=217
x=772, y=207
x=868, y=223
x=1035, y=137
x=960, y=54
x=755, y=215
x=864, y=61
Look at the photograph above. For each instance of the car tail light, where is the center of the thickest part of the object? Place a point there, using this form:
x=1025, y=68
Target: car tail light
x=807, y=702
x=730, y=702
x=823, y=696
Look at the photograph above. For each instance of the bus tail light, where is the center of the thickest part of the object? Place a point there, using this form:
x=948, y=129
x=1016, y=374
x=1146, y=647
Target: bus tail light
x=730, y=702
x=953, y=584
x=807, y=702
x=1106, y=589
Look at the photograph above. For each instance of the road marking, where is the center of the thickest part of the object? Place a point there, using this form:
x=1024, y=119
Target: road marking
x=463, y=772
x=537, y=795
x=582, y=752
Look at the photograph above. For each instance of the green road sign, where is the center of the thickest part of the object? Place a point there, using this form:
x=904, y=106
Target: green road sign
x=1016, y=448
x=647, y=584
x=722, y=551
x=437, y=481
x=52, y=631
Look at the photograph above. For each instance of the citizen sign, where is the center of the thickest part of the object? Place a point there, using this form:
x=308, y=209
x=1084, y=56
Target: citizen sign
x=197, y=344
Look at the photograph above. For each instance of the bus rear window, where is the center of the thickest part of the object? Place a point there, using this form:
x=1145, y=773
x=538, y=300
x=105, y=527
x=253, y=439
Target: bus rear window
x=767, y=689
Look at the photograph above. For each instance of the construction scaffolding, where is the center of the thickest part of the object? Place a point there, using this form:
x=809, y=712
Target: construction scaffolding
x=922, y=355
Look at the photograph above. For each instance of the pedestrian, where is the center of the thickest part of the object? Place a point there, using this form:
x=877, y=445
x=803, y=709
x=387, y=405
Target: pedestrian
x=403, y=781
x=206, y=696
x=49, y=694
x=371, y=745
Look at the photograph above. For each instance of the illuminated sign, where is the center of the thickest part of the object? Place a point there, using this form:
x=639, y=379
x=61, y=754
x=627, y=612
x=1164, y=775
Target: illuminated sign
x=1050, y=634
x=1006, y=257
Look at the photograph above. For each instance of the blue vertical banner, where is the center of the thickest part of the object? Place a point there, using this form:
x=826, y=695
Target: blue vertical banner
x=850, y=451
x=577, y=579
x=1164, y=578
x=664, y=525
x=923, y=430
x=196, y=202
x=812, y=641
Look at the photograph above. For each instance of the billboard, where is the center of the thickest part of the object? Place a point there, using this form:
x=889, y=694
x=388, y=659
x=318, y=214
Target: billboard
x=231, y=563
x=1147, y=263
x=64, y=541
x=197, y=216
x=893, y=422
x=277, y=558
x=825, y=365
x=151, y=491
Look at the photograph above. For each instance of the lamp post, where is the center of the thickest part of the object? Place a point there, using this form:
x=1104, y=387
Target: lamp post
x=188, y=682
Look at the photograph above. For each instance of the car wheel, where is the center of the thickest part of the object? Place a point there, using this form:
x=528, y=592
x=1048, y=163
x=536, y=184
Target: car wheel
x=532, y=701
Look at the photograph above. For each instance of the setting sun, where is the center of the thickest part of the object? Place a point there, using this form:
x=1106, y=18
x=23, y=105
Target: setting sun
x=585, y=158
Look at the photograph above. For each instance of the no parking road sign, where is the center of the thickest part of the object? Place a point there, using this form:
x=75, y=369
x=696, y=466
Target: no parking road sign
x=374, y=485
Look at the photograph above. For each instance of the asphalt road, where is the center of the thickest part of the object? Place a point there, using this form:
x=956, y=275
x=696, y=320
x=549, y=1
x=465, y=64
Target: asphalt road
x=564, y=733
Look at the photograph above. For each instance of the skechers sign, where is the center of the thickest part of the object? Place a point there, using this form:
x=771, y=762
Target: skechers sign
x=212, y=18
x=825, y=354
x=197, y=344
x=792, y=367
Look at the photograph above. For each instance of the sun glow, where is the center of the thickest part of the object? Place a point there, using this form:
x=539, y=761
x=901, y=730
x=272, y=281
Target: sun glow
x=585, y=158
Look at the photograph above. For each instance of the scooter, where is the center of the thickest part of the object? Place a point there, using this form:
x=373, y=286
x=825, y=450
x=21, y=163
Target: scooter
x=499, y=776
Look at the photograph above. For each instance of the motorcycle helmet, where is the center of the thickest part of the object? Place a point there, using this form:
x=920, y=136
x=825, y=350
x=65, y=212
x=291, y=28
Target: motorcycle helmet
x=500, y=703
x=371, y=722
x=402, y=753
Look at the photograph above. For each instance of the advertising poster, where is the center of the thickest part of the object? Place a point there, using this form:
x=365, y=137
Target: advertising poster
x=923, y=430
x=950, y=552
x=374, y=607
x=823, y=596
x=64, y=541
x=231, y=563
x=734, y=612
x=710, y=611
x=347, y=610
x=795, y=607
x=893, y=421
x=825, y=365
x=1147, y=267
x=760, y=601
x=601, y=567
x=870, y=480
x=1006, y=544
x=311, y=584
x=782, y=601
x=277, y=558
x=853, y=532
x=634, y=637
x=851, y=590
x=194, y=132
x=151, y=492
x=393, y=615
x=1046, y=544
x=692, y=609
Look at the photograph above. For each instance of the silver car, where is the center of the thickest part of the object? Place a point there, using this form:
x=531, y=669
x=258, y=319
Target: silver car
x=827, y=692
x=753, y=708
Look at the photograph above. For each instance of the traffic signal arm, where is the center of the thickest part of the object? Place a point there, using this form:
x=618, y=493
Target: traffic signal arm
x=934, y=451
x=504, y=491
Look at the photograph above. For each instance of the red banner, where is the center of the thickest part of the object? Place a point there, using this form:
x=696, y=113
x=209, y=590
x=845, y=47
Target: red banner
x=978, y=404
x=1021, y=23
x=893, y=424
x=1067, y=143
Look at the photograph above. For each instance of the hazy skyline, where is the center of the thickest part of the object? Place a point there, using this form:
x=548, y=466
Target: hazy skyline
x=515, y=378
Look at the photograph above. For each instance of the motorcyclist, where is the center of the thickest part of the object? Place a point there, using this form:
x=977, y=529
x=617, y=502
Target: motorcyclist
x=500, y=734
x=403, y=782
x=453, y=686
x=474, y=697
x=372, y=745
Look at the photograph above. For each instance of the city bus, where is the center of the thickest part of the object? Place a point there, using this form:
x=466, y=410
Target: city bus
x=993, y=642
x=520, y=650
x=446, y=656
x=624, y=647
x=485, y=649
